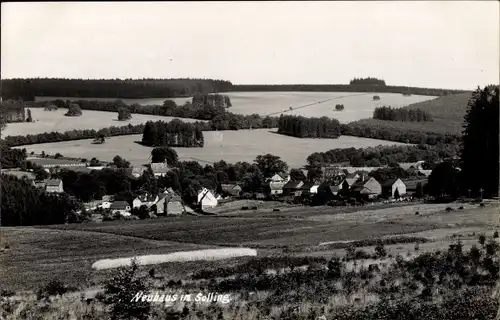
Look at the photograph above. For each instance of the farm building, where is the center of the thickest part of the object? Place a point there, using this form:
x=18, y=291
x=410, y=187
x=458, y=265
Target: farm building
x=40, y=184
x=293, y=188
x=160, y=169
x=48, y=163
x=54, y=186
x=309, y=188
x=207, y=199
x=232, y=190
x=13, y=111
x=121, y=207
x=136, y=172
x=366, y=188
x=331, y=173
x=349, y=180
x=393, y=187
x=277, y=178
x=169, y=202
x=412, y=185
x=144, y=200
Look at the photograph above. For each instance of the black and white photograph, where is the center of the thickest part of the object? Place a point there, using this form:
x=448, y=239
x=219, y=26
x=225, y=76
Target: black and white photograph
x=267, y=160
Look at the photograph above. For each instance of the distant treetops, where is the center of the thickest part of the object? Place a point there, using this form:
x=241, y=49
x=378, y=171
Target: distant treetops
x=401, y=114
x=367, y=81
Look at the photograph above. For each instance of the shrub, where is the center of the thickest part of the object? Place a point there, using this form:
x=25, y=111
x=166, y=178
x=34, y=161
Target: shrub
x=481, y=204
x=380, y=250
x=495, y=234
x=482, y=239
x=449, y=209
x=417, y=213
x=54, y=287
x=120, y=291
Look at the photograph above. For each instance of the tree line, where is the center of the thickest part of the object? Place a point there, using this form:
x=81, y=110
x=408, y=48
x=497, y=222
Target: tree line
x=367, y=81
x=303, y=127
x=401, y=114
x=345, y=88
x=384, y=155
x=174, y=133
x=28, y=89
x=374, y=131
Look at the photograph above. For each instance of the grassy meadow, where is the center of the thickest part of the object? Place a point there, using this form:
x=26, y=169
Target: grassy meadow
x=448, y=113
x=230, y=146
x=48, y=121
x=35, y=255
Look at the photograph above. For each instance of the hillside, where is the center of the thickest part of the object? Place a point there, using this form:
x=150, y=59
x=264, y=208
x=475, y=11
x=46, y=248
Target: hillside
x=447, y=113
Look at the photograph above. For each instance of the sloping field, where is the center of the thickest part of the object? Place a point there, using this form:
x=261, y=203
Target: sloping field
x=271, y=230
x=231, y=146
x=48, y=121
x=357, y=105
x=448, y=113
x=39, y=255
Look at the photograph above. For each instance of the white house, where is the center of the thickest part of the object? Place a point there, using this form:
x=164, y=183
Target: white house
x=105, y=204
x=145, y=199
x=160, y=169
x=207, y=199
x=121, y=207
x=314, y=187
x=54, y=186
x=390, y=186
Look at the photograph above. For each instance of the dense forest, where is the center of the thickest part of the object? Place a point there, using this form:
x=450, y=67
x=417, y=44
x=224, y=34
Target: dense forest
x=367, y=82
x=28, y=89
x=344, y=88
x=401, y=114
x=174, y=133
x=302, y=127
x=384, y=155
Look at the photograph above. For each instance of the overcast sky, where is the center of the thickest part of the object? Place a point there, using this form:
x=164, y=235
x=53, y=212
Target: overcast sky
x=451, y=44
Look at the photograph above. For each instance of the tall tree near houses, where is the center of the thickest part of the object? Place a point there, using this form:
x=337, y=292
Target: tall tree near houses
x=480, y=143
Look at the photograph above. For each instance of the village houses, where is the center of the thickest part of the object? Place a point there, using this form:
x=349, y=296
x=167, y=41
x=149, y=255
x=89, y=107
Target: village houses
x=54, y=186
x=393, y=188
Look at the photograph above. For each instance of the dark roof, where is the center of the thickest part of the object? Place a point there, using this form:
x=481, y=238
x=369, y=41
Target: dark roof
x=307, y=186
x=412, y=184
x=119, y=205
x=292, y=184
x=389, y=182
x=53, y=182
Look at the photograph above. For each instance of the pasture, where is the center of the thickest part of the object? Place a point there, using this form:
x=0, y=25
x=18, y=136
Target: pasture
x=67, y=252
x=230, y=146
x=48, y=121
x=357, y=105
x=448, y=114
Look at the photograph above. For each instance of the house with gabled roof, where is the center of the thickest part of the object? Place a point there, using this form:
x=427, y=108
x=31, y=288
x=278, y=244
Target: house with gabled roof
x=366, y=188
x=392, y=187
x=121, y=207
x=231, y=189
x=146, y=199
x=207, y=199
x=292, y=188
x=169, y=203
x=160, y=169
x=54, y=186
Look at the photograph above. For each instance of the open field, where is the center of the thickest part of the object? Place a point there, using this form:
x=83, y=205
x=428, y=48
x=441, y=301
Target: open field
x=48, y=121
x=358, y=105
x=143, y=102
x=67, y=252
x=38, y=255
x=448, y=114
x=231, y=146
